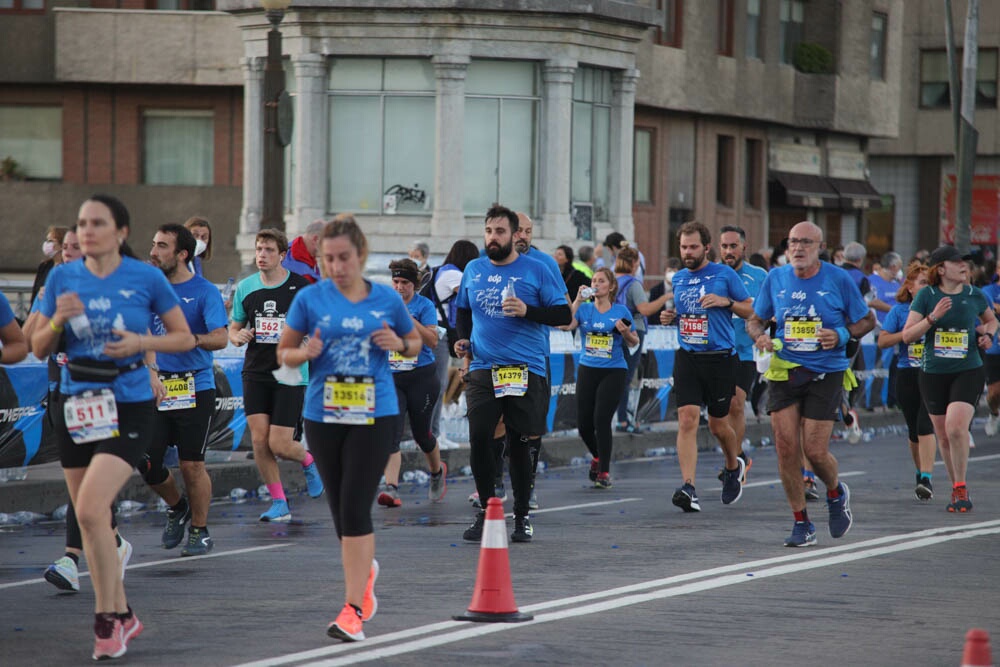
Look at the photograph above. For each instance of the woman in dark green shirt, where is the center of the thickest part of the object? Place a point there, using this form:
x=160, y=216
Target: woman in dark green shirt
x=955, y=321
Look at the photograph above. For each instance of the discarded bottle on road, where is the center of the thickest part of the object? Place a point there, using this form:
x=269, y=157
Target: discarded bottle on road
x=421, y=477
x=409, y=476
x=25, y=517
x=239, y=494
x=263, y=492
x=765, y=441
x=59, y=513
x=129, y=506
x=656, y=451
x=466, y=471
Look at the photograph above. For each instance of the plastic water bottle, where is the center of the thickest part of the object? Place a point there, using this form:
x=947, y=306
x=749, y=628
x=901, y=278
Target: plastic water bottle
x=508, y=293
x=227, y=291
x=746, y=444
x=421, y=477
x=467, y=471
x=238, y=494
x=80, y=324
x=577, y=461
x=5, y=519
x=263, y=493
x=542, y=466
x=59, y=513
x=25, y=517
x=129, y=506
x=765, y=441
x=409, y=476
x=656, y=451
x=586, y=293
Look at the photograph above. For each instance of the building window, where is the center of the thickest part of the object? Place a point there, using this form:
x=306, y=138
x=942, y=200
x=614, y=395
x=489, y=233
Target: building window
x=22, y=6
x=178, y=147
x=32, y=138
x=753, y=23
x=501, y=135
x=934, y=87
x=381, y=135
x=724, y=165
x=591, y=151
x=724, y=34
x=669, y=34
x=642, y=167
x=791, y=20
x=877, y=55
x=752, y=154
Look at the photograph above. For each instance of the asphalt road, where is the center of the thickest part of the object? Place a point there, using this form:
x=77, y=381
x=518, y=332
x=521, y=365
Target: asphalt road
x=612, y=577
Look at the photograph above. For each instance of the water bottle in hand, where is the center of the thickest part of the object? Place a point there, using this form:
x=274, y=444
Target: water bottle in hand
x=586, y=293
x=507, y=293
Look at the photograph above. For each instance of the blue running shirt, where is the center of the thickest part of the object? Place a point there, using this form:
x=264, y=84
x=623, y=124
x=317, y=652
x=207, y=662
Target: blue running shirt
x=345, y=329
x=828, y=300
x=204, y=311
x=6, y=313
x=752, y=277
x=501, y=340
x=123, y=300
x=602, y=344
x=706, y=329
x=910, y=356
x=423, y=311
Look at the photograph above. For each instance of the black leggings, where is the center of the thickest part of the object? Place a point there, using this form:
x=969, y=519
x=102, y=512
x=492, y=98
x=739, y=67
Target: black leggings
x=598, y=391
x=417, y=392
x=482, y=455
x=633, y=362
x=912, y=403
x=350, y=460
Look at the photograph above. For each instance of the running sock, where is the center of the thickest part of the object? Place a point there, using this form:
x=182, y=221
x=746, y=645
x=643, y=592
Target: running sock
x=276, y=490
x=802, y=516
x=104, y=624
x=356, y=608
x=393, y=486
x=924, y=475
x=437, y=475
x=180, y=507
x=833, y=493
x=958, y=485
x=127, y=615
x=307, y=461
x=73, y=557
x=118, y=540
x=200, y=529
x=808, y=474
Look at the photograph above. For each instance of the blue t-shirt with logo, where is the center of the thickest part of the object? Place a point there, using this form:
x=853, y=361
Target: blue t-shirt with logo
x=602, y=343
x=204, y=311
x=123, y=300
x=752, y=277
x=884, y=290
x=702, y=329
x=910, y=355
x=423, y=311
x=501, y=340
x=548, y=261
x=827, y=300
x=345, y=329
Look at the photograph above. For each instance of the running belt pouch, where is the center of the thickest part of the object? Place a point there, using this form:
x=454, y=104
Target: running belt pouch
x=91, y=370
x=800, y=375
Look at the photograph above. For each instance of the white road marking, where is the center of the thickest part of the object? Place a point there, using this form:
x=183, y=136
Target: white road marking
x=563, y=508
x=173, y=561
x=436, y=634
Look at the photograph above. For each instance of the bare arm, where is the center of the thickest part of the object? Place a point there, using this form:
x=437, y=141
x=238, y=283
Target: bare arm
x=216, y=339
x=15, y=347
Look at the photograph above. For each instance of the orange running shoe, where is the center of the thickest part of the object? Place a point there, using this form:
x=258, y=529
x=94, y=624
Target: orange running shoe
x=347, y=627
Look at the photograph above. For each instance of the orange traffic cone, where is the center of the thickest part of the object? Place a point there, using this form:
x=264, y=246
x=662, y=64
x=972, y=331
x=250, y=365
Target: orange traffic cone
x=977, y=649
x=493, y=598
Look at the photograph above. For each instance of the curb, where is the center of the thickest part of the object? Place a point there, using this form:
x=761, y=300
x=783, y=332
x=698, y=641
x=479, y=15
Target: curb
x=44, y=489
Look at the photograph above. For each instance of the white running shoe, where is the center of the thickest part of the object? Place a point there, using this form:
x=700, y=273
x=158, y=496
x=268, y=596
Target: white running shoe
x=124, y=554
x=854, y=430
x=992, y=425
x=63, y=574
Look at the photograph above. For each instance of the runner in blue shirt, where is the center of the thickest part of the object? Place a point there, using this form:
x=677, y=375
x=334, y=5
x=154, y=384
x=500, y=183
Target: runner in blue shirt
x=606, y=328
x=350, y=404
x=505, y=305
x=732, y=248
x=186, y=382
x=706, y=296
x=818, y=309
x=104, y=304
x=923, y=445
x=417, y=388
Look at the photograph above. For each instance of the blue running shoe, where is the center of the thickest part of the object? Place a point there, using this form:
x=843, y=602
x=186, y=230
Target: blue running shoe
x=803, y=535
x=841, y=518
x=732, y=485
x=314, y=485
x=279, y=512
x=686, y=498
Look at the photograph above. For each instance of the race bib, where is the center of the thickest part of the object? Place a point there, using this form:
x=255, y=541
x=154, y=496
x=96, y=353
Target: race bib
x=510, y=380
x=180, y=391
x=694, y=329
x=268, y=329
x=802, y=334
x=397, y=362
x=91, y=416
x=598, y=345
x=915, y=353
x=951, y=344
x=349, y=399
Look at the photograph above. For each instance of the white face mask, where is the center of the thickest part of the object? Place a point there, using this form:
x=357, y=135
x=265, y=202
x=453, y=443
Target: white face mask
x=49, y=248
x=782, y=260
x=668, y=277
x=899, y=276
x=199, y=247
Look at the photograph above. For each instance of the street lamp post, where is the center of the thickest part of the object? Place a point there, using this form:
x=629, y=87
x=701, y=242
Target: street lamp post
x=277, y=120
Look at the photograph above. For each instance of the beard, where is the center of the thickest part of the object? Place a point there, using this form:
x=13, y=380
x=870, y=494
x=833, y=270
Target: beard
x=692, y=263
x=522, y=246
x=732, y=261
x=498, y=252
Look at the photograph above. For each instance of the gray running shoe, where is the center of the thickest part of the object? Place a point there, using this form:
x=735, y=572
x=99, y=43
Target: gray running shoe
x=199, y=543
x=439, y=485
x=173, y=532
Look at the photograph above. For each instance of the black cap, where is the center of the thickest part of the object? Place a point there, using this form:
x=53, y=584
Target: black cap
x=946, y=253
